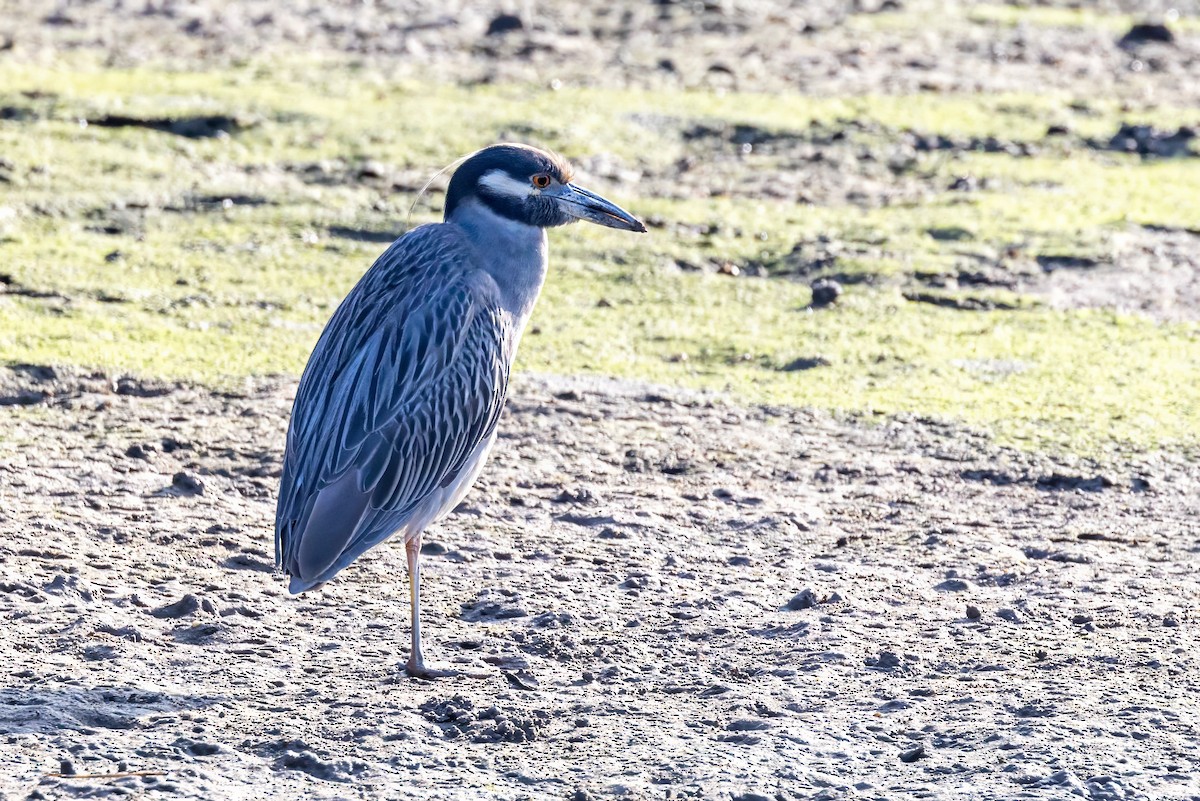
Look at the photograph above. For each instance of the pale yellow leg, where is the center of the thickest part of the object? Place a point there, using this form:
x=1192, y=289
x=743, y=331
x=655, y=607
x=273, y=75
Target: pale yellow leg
x=416, y=660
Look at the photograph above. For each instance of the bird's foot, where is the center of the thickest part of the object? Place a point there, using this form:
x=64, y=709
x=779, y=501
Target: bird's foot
x=419, y=670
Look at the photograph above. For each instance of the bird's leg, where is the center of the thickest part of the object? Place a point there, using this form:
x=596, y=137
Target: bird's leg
x=416, y=661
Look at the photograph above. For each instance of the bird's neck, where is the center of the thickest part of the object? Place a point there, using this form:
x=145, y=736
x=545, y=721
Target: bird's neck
x=513, y=253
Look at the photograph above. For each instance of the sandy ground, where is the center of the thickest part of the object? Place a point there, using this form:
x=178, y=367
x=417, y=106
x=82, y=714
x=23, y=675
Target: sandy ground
x=674, y=597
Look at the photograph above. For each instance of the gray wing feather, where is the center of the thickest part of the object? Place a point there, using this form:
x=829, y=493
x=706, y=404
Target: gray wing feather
x=407, y=379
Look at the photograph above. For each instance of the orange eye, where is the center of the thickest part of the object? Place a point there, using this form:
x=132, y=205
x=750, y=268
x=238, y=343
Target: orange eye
x=541, y=180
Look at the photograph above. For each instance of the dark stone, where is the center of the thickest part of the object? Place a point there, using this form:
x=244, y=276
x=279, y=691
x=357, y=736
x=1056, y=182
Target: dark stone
x=504, y=23
x=1143, y=32
x=1050, y=263
x=187, y=484
x=136, y=451
x=825, y=292
x=805, y=599
x=913, y=754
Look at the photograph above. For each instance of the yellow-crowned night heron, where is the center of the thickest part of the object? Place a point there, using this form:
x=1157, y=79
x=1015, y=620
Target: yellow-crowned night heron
x=397, y=408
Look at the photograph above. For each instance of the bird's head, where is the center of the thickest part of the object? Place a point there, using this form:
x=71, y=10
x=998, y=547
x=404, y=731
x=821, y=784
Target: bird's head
x=531, y=186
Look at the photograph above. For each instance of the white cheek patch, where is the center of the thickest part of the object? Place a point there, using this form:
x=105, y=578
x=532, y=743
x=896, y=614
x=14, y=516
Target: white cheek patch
x=498, y=182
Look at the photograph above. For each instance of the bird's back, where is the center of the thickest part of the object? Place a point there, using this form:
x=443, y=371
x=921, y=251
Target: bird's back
x=406, y=382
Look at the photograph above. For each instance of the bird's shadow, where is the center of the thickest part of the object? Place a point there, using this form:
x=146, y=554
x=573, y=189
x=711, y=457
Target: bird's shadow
x=25, y=710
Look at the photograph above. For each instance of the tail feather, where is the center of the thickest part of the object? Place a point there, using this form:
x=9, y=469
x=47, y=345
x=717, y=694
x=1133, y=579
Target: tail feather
x=298, y=585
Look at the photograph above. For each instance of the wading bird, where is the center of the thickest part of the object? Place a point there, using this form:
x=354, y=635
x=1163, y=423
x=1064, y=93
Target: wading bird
x=397, y=408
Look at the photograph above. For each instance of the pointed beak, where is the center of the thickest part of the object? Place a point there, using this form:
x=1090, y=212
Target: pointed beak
x=584, y=205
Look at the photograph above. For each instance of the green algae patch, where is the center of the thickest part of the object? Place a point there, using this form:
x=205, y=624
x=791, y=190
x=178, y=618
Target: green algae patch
x=1085, y=382
x=203, y=226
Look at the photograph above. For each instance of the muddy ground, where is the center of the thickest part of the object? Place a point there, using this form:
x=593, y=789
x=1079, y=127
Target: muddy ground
x=743, y=45
x=674, y=596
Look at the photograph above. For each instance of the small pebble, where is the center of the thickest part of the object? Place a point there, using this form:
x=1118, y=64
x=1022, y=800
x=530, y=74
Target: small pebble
x=1009, y=615
x=805, y=599
x=825, y=292
x=187, y=483
x=504, y=23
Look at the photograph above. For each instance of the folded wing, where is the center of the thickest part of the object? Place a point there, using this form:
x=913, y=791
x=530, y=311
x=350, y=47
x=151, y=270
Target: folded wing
x=408, y=378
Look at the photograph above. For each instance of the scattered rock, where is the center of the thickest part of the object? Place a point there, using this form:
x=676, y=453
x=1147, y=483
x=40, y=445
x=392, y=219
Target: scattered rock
x=1142, y=32
x=913, y=754
x=504, y=23
x=197, y=748
x=805, y=599
x=136, y=451
x=805, y=363
x=141, y=388
x=186, y=606
x=1049, y=263
x=886, y=661
x=187, y=484
x=825, y=292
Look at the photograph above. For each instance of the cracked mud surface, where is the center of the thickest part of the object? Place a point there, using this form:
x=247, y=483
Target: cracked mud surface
x=671, y=595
